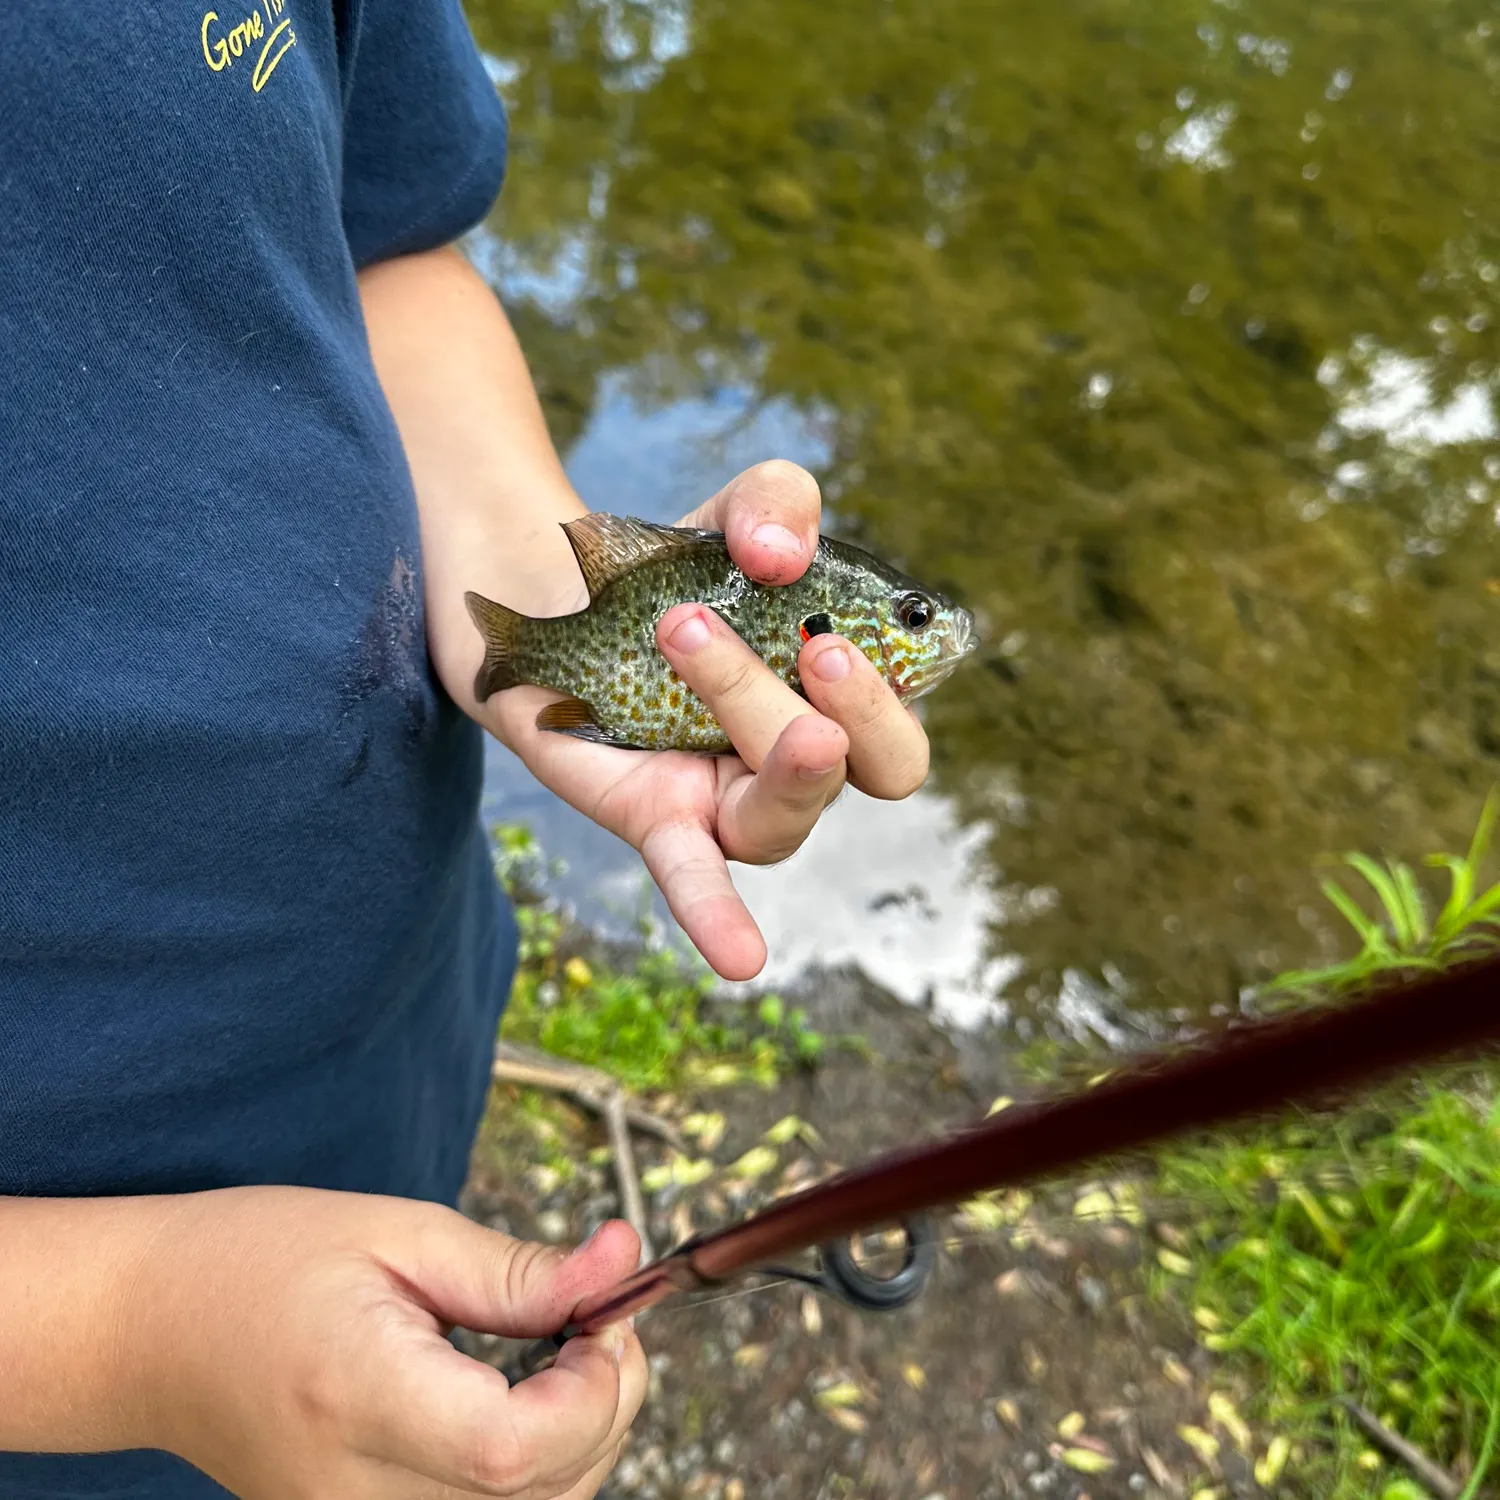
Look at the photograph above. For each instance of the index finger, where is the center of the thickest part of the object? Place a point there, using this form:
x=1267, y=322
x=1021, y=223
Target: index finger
x=752, y=704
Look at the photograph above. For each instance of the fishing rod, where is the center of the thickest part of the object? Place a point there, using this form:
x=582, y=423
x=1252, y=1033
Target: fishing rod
x=1243, y=1070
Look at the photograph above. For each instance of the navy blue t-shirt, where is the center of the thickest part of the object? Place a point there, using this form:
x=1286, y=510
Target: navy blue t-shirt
x=249, y=931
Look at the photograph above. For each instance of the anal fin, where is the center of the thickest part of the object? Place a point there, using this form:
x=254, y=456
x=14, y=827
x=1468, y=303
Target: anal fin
x=573, y=716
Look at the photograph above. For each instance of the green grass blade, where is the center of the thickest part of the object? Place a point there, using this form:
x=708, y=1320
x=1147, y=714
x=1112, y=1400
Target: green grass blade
x=1483, y=908
x=1371, y=934
x=1413, y=900
x=1460, y=892
x=1484, y=829
x=1487, y=1448
x=1390, y=898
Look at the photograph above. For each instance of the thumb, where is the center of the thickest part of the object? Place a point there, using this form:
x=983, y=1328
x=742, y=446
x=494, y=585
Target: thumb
x=487, y=1281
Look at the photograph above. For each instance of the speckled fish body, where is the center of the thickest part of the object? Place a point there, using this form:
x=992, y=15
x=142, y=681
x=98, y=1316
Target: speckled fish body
x=622, y=691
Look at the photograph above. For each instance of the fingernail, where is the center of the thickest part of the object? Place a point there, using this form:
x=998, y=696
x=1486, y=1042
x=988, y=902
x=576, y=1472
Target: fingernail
x=778, y=539
x=691, y=635
x=832, y=664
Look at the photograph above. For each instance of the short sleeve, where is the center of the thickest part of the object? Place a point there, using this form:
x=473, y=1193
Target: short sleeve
x=424, y=128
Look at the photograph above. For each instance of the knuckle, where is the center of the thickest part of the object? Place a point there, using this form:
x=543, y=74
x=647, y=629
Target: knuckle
x=737, y=679
x=320, y=1393
x=901, y=778
x=499, y=1460
x=783, y=474
x=524, y=1262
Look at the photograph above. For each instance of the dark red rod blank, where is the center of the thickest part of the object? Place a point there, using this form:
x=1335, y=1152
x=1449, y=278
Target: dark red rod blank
x=1246, y=1070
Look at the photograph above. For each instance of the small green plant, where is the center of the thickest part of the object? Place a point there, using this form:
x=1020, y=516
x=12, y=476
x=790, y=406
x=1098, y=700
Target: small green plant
x=1361, y=1258
x=1408, y=937
x=650, y=1022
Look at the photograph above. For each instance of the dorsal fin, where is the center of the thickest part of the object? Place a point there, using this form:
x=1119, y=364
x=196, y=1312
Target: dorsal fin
x=608, y=546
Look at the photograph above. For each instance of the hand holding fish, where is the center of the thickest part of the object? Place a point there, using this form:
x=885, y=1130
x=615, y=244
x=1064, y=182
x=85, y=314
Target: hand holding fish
x=781, y=757
x=503, y=531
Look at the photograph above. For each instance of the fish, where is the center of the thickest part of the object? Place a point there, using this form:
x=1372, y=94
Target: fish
x=620, y=690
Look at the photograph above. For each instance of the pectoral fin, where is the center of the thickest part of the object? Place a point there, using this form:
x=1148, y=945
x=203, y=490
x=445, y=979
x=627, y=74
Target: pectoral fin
x=573, y=716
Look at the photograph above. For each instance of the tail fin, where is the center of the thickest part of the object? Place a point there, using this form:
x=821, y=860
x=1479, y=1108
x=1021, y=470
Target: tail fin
x=500, y=628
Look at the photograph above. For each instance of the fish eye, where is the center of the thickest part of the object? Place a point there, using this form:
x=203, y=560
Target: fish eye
x=914, y=611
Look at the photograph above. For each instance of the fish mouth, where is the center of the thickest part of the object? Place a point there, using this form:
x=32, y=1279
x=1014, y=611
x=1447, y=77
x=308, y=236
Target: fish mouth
x=962, y=643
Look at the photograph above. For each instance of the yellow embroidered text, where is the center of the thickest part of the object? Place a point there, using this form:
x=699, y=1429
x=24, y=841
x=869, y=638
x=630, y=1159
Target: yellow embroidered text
x=261, y=33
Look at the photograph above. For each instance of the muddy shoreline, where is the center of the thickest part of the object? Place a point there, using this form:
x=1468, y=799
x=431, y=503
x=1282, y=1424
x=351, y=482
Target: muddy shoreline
x=1037, y=1362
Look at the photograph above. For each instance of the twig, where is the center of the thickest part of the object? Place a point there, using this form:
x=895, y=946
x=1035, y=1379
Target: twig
x=1439, y=1481
x=589, y=1087
x=631, y=1202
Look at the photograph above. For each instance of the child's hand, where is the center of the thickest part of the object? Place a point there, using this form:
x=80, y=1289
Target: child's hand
x=688, y=814
x=293, y=1348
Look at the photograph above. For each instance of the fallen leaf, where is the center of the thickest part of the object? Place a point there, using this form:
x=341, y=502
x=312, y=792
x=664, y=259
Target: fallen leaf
x=705, y=1128
x=841, y=1393
x=983, y=1212
x=1086, y=1461
x=914, y=1375
x=1204, y=1444
x=1096, y=1205
x=1127, y=1196
x=850, y=1421
x=756, y=1162
x=1036, y=1361
x=1004, y=1101
x=1071, y=1425
x=1157, y=1468
x=681, y=1221
x=812, y=1315
x=544, y=1180
x=1224, y=1412
x=1008, y=1412
x=682, y=1170
x=751, y=1356
x=1177, y=1372
x=1170, y=1260
x=1268, y=1469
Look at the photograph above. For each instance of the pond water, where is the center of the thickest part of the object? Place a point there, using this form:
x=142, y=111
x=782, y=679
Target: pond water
x=1164, y=335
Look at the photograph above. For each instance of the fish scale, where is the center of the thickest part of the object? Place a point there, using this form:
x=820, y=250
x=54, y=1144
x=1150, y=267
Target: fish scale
x=622, y=691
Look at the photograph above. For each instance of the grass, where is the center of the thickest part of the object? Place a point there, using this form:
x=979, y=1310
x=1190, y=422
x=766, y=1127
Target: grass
x=1360, y=1256
x=648, y=1020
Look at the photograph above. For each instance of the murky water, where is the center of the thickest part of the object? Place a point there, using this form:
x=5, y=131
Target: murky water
x=1163, y=334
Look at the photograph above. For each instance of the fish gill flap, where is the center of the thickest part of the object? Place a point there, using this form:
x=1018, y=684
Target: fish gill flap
x=607, y=547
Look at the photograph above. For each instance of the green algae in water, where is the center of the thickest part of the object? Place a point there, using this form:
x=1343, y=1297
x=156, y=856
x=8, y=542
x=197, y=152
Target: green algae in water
x=1163, y=334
